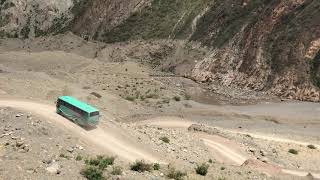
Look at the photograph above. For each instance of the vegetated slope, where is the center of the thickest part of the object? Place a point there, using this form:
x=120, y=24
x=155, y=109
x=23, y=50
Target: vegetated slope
x=255, y=44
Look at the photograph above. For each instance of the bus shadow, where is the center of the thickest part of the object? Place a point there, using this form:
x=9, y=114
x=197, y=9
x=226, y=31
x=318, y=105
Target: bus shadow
x=88, y=128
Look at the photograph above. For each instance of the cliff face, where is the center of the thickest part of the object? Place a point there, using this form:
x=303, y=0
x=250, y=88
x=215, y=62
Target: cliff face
x=262, y=45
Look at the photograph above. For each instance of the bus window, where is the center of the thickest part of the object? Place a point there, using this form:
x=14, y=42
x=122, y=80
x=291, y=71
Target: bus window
x=94, y=113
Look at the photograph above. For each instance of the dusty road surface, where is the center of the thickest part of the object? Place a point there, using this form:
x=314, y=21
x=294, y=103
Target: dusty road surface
x=101, y=138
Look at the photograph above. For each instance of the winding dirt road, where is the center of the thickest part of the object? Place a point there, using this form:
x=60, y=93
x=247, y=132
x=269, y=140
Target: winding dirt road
x=229, y=152
x=108, y=141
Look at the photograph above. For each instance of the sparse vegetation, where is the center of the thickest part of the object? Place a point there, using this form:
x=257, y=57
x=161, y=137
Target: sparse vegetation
x=314, y=66
x=117, y=170
x=152, y=96
x=100, y=161
x=310, y=146
x=177, y=98
x=130, y=98
x=92, y=173
x=293, y=151
x=156, y=166
x=78, y=158
x=141, y=166
x=157, y=21
x=187, y=97
x=175, y=174
x=166, y=101
x=222, y=168
x=64, y=156
x=165, y=139
x=202, y=169
x=210, y=161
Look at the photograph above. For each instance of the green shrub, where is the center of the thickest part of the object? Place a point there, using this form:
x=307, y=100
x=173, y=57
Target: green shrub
x=117, y=170
x=222, y=168
x=177, y=98
x=142, y=98
x=130, y=98
x=101, y=161
x=92, y=173
x=175, y=174
x=210, y=161
x=293, y=151
x=141, y=166
x=78, y=158
x=310, y=146
x=152, y=96
x=187, y=96
x=156, y=166
x=202, y=169
x=166, y=101
x=165, y=139
x=64, y=156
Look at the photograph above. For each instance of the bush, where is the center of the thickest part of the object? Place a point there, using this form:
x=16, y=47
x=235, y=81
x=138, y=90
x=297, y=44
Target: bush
x=311, y=146
x=130, y=98
x=141, y=166
x=165, y=139
x=64, y=156
x=101, y=162
x=78, y=158
x=187, y=97
x=156, y=166
x=174, y=174
x=177, y=98
x=117, y=170
x=166, y=101
x=293, y=151
x=152, y=96
x=202, y=169
x=210, y=161
x=92, y=173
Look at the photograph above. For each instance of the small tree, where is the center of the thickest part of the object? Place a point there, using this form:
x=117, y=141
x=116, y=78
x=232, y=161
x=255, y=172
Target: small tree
x=310, y=146
x=202, y=169
x=117, y=170
x=165, y=139
x=92, y=173
x=175, y=174
x=156, y=166
x=177, y=98
x=293, y=151
x=141, y=166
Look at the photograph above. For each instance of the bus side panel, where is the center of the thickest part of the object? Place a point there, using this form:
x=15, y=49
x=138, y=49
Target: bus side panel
x=71, y=115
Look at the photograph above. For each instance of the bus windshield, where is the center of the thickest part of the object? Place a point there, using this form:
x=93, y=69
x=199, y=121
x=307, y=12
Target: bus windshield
x=94, y=114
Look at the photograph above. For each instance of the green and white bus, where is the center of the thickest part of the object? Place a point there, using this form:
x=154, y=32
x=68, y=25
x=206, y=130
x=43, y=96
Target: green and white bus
x=77, y=111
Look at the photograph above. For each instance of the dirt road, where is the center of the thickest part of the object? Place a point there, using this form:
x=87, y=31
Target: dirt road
x=229, y=152
x=106, y=140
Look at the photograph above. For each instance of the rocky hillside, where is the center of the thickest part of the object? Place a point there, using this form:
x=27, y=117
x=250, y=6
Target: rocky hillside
x=259, y=45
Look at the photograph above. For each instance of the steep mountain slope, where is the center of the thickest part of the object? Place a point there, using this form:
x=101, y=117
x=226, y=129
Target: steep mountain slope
x=259, y=45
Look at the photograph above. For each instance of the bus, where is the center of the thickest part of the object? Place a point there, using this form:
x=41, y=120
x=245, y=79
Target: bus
x=77, y=111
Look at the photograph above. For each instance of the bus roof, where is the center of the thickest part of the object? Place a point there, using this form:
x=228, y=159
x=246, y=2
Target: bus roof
x=81, y=105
